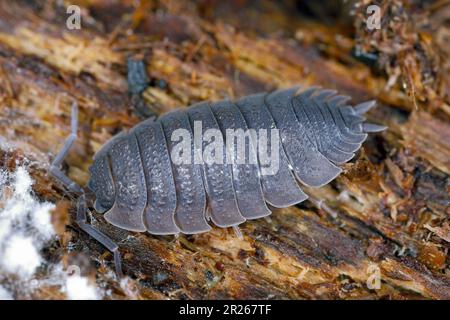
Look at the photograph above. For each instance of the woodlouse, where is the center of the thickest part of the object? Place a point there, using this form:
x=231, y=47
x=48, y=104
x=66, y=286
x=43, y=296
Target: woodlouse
x=139, y=188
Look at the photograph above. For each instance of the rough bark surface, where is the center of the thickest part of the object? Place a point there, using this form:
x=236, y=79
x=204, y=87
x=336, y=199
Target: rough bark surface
x=391, y=202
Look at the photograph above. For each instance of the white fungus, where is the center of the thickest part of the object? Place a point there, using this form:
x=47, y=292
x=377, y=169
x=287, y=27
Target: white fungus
x=25, y=226
x=25, y=229
x=21, y=256
x=78, y=288
x=2, y=179
x=4, y=294
x=42, y=220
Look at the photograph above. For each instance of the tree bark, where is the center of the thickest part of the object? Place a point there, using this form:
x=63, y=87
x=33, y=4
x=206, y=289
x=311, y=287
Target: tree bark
x=391, y=202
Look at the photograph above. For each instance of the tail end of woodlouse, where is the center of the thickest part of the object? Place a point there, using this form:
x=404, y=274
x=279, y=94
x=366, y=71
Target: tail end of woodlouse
x=308, y=92
x=339, y=100
x=362, y=108
x=325, y=94
x=356, y=118
x=371, y=127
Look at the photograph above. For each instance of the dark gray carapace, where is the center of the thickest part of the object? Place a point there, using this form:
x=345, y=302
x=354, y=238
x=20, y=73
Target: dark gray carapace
x=138, y=188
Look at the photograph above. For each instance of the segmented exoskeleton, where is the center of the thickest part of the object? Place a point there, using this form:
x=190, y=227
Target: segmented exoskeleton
x=139, y=188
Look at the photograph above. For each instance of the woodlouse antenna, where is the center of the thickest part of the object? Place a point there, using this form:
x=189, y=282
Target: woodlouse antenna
x=72, y=186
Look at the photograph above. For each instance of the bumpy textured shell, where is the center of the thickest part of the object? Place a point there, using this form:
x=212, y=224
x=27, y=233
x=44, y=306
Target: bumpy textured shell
x=140, y=189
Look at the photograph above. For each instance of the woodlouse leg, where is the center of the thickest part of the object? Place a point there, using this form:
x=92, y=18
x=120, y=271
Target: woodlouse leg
x=81, y=220
x=55, y=170
x=238, y=233
x=321, y=205
x=98, y=235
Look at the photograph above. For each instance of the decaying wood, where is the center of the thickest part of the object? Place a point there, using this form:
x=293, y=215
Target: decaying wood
x=392, y=202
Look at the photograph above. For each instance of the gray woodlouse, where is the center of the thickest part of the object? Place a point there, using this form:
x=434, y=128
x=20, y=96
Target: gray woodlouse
x=138, y=188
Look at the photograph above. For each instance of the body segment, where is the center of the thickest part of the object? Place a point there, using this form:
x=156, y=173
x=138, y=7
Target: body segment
x=218, y=178
x=280, y=189
x=246, y=179
x=190, y=191
x=159, y=215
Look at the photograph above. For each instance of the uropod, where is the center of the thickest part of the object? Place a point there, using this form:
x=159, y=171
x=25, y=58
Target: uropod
x=138, y=186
